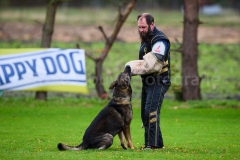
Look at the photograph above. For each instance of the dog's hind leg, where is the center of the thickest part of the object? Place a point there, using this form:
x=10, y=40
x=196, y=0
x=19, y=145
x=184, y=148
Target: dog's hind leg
x=121, y=138
x=103, y=141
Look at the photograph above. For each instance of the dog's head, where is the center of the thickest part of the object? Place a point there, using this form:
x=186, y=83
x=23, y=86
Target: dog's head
x=122, y=86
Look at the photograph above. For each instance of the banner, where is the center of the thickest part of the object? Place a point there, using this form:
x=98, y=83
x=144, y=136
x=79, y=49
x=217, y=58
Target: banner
x=53, y=69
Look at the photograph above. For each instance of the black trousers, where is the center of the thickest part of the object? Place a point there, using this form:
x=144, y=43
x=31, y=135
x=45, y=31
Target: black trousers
x=151, y=103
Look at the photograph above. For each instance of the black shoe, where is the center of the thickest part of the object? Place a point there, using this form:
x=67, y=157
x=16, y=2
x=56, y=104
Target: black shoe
x=152, y=147
x=147, y=148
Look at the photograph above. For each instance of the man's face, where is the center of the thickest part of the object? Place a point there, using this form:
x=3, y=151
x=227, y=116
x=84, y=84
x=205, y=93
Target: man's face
x=143, y=28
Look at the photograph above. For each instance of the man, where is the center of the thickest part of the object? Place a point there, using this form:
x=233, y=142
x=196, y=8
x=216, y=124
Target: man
x=154, y=67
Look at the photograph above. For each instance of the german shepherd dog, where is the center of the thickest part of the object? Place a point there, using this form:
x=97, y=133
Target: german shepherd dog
x=114, y=119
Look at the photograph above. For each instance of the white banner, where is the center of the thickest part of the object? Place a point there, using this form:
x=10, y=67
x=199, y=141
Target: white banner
x=43, y=70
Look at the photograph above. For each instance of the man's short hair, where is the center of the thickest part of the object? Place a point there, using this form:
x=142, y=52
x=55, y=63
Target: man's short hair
x=149, y=18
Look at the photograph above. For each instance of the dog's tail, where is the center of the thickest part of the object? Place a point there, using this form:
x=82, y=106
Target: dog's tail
x=63, y=147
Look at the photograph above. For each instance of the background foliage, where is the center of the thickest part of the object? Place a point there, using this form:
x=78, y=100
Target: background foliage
x=217, y=63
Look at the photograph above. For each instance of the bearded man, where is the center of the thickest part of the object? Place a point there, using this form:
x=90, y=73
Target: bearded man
x=154, y=67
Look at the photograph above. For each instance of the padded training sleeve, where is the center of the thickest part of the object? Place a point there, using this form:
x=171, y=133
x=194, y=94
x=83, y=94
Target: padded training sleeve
x=149, y=64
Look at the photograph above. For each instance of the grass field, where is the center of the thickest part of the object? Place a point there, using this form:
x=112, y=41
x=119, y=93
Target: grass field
x=31, y=130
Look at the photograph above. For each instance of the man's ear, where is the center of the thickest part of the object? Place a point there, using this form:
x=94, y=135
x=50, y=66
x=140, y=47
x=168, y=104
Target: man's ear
x=114, y=83
x=152, y=26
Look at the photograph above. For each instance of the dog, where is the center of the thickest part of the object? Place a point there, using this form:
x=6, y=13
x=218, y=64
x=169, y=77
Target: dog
x=114, y=119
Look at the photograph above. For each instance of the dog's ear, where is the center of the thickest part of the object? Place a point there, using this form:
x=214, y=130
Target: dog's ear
x=114, y=83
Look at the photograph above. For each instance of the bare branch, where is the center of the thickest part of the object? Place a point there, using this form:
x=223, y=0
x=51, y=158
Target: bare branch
x=177, y=41
x=109, y=42
x=89, y=55
x=120, y=22
x=176, y=50
x=104, y=34
x=202, y=77
x=119, y=11
x=38, y=22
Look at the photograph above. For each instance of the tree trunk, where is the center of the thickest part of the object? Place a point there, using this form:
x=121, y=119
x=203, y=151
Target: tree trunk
x=47, y=35
x=102, y=94
x=190, y=78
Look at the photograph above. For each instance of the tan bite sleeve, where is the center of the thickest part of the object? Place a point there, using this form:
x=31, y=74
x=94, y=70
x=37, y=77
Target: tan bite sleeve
x=149, y=64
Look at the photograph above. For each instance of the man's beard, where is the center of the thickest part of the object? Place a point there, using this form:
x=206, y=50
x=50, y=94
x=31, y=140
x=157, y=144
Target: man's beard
x=145, y=37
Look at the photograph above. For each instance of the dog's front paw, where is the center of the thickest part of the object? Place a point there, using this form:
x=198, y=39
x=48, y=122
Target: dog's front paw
x=123, y=146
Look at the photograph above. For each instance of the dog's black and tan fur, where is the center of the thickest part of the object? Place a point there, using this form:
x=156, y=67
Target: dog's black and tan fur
x=114, y=119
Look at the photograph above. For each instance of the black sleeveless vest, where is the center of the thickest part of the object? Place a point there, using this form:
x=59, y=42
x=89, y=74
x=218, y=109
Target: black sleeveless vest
x=164, y=76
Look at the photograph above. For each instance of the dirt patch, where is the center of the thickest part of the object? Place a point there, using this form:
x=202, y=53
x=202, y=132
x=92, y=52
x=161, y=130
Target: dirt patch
x=66, y=33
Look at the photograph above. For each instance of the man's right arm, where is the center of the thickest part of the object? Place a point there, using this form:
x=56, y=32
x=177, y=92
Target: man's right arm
x=149, y=64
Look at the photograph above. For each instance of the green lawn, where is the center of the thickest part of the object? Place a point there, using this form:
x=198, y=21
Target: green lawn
x=31, y=130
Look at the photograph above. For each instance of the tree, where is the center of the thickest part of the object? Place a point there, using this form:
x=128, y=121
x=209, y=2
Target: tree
x=190, y=78
x=122, y=16
x=48, y=29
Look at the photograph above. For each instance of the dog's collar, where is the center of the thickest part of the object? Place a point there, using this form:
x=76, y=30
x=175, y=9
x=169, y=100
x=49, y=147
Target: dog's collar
x=122, y=98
